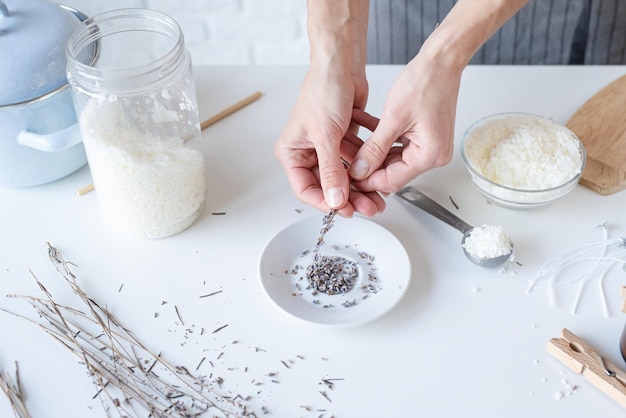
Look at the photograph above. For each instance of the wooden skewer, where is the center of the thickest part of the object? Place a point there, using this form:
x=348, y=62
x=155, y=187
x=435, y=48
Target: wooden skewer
x=230, y=110
x=623, y=295
x=212, y=120
x=86, y=189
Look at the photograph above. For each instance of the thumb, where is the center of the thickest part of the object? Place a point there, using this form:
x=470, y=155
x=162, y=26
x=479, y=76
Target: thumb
x=333, y=178
x=373, y=152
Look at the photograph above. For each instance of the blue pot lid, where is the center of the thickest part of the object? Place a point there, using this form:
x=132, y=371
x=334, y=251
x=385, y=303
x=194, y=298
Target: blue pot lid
x=33, y=34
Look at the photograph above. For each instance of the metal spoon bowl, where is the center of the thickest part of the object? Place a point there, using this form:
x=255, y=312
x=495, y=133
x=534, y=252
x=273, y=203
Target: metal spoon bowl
x=485, y=262
x=416, y=198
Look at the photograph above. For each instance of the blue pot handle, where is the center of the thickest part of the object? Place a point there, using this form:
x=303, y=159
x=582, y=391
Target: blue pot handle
x=54, y=142
x=4, y=10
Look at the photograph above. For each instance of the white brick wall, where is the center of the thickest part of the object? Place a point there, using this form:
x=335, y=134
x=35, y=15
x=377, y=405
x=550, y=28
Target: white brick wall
x=228, y=32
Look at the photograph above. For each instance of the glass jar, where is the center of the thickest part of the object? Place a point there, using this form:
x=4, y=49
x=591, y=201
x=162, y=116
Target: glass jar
x=135, y=100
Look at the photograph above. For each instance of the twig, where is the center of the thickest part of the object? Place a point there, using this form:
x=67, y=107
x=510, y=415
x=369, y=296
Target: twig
x=178, y=315
x=13, y=391
x=86, y=189
x=220, y=328
x=128, y=376
x=211, y=294
x=231, y=109
x=454, y=203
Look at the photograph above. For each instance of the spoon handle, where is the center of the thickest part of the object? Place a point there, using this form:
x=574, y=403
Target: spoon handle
x=416, y=198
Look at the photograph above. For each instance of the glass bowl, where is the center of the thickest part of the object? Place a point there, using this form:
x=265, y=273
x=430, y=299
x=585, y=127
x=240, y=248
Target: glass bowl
x=522, y=160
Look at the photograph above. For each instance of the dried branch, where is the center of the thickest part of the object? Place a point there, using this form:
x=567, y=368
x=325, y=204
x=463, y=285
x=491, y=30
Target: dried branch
x=130, y=378
x=13, y=390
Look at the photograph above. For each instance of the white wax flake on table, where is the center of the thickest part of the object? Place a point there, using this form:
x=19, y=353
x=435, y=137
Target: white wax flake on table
x=488, y=241
x=567, y=390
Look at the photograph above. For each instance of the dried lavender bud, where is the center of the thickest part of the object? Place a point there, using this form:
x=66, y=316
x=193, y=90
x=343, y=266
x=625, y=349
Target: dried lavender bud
x=332, y=274
x=327, y=223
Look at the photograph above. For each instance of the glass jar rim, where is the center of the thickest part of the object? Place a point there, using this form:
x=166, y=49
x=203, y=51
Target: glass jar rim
x=96, y=28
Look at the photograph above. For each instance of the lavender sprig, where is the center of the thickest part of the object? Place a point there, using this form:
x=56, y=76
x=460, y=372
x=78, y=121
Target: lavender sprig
x=129, y=377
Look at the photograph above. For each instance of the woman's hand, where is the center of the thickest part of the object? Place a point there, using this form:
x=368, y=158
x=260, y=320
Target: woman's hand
x=415, y=132
x=317, y=142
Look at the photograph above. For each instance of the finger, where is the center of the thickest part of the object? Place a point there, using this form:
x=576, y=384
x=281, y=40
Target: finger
x=365, y=119
x=301, y=169
x=353, y=139
x=305, y=184
x=349, y=146
x=306, y=187
x=374, y=151
x=333, y=177
x=400, y=167
x=369, y=204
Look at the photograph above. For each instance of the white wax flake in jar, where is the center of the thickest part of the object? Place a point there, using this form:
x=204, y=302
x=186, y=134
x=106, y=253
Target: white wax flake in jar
x=139, y=122
x=150, y=186
x=488, y=241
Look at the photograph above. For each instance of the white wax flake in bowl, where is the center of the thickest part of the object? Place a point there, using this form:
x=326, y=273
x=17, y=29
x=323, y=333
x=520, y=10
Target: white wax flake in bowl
x=524, y=152
x=522, y=160
x=488, y=242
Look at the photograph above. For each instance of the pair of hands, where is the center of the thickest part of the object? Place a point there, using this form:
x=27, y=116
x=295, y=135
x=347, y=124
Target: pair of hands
x=415, y=133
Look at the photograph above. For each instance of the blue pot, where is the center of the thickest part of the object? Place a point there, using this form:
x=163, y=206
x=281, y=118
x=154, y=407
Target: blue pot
x=40, y=141
x=39, y=137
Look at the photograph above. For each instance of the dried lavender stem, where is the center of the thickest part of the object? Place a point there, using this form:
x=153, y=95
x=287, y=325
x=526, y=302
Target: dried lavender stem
x=13, y=391
x=100, y=365
x=327, y=224
x=114, y=357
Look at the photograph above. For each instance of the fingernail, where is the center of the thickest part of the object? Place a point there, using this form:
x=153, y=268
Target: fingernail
x=334, y=197
x=359, y=169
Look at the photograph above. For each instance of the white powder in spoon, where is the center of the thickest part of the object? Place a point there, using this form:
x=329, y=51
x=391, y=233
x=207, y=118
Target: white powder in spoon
x=488, y=242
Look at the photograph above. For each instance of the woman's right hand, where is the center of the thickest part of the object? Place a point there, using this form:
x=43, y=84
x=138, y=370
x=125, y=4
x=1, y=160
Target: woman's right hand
x=317, y=141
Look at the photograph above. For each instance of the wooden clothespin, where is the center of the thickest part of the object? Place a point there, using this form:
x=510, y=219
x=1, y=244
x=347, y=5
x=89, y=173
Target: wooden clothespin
x=623, y=296
x=583, y=359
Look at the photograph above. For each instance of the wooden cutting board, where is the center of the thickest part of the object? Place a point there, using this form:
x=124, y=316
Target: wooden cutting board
x=600, y=124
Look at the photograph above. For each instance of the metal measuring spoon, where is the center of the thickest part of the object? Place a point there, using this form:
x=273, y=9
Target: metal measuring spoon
x=413, y=196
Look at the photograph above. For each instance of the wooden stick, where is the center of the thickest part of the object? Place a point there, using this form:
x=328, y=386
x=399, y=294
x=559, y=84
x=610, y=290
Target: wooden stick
x=212, y=120
x=230, y=110
x=623, y=296
x=86, y=189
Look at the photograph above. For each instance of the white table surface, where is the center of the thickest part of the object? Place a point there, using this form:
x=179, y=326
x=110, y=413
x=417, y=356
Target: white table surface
x=464, y=341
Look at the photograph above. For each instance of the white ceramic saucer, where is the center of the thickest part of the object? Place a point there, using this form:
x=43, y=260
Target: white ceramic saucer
x=383, y=265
